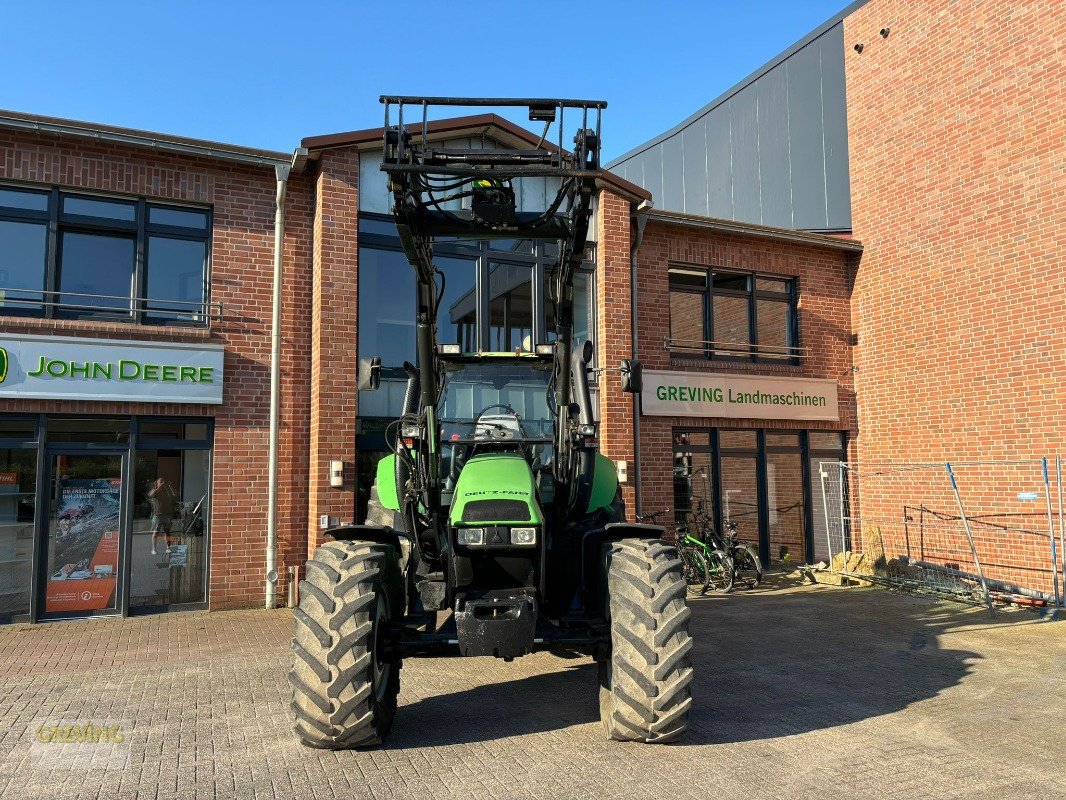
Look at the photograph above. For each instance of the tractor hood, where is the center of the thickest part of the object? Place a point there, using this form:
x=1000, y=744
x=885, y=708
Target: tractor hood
x=495, y=489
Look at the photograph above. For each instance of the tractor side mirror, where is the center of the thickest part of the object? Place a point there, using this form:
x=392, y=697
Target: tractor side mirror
x=370, y=374
x=587, y=352
x=632, y=376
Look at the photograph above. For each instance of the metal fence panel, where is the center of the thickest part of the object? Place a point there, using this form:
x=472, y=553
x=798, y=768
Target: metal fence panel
x=978, y=531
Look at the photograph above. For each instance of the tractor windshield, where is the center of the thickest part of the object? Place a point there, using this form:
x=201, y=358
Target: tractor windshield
x=496, y=400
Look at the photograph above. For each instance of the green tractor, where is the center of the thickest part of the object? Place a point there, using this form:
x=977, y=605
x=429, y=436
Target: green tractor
x=495, y=527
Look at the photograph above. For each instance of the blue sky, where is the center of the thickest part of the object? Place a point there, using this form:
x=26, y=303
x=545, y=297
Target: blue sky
x=267, y=74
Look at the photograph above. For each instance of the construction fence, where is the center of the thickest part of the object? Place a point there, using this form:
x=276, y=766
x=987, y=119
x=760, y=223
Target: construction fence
x=984, y=532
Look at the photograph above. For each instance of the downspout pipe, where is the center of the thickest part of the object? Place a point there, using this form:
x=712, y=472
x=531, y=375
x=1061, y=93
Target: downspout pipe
x=640, y=221
x=282, y=174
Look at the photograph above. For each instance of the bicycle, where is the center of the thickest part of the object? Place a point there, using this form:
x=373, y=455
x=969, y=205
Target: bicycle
x=719, y=565
x=745, y=565
x=694, y=565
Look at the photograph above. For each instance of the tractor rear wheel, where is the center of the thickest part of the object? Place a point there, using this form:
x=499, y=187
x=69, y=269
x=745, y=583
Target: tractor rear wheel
x=644, y=685
x=343, y=687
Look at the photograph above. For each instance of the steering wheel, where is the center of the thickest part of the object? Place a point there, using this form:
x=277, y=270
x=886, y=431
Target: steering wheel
x=500, y=431
x=506, y=407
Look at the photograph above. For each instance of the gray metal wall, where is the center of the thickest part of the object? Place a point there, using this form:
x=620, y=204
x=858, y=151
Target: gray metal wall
x=772, y=150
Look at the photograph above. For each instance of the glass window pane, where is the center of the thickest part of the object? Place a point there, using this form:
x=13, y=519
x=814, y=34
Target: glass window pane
x=688, y=279
x=380, y=227
x=826, y=440
x=740, y=496
x=733, y=282
x=514, y=245
x=785, y=499
x=171, y=512
x=763, y=284
x=510, y=307
x=94, y=207
x=160, y=215
x=18, y=428
x=26, y=201
x=196, y=431
x=686, y=440
x=98, y=266
x=693, y=482
x=772, y=321
x=176, y=277
x=88, y=429
x=386, y=306
x=22, y=264
x=457, y=315
x=746, y=440
x=686, y=321
x=582, y=309
x=730, y=319
x=18, y=504
x=782, y=439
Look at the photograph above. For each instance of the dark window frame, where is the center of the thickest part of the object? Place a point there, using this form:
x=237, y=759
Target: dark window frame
x=485, y=256
x=140, y=230
x=753, y=294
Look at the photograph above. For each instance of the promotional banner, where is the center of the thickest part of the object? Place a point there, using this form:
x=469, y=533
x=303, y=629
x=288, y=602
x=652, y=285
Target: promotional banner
x=61, y=367
x=695, y=394
x=84, y=545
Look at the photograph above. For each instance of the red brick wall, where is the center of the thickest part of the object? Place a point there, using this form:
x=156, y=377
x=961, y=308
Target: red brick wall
x=957, y=139
x=613, y=326
x=824, y=319
x=334, y=305
x=241, y=273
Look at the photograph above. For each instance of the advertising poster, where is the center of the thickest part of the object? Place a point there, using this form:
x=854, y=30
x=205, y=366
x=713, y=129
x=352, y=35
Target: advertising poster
x=85, y=545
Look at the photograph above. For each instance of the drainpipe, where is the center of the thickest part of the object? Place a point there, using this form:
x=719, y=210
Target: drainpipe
x=282, y=171
x=640, y=218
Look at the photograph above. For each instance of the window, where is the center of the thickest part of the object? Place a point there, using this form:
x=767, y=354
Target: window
x=113, y=258
x=732, y=315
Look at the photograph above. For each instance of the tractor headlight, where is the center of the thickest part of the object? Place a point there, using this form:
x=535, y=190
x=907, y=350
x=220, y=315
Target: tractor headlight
x=470, y=536
x=523, y=536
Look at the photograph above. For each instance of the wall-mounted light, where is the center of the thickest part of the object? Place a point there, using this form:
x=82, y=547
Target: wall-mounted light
x=884, y=32
x=336, y=474
x=859, y=47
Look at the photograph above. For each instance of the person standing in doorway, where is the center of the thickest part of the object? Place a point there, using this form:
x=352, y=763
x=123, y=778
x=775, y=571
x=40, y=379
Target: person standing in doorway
x=163, y=500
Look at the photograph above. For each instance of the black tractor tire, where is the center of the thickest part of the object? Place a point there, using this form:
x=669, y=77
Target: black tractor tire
x=645, y=691
x=343, y=693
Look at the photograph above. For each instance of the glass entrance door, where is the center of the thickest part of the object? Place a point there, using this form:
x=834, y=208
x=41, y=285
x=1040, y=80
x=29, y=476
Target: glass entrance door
x=83, y=530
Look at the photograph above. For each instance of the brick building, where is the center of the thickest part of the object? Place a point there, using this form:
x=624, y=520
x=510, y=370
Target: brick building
x=848, y=255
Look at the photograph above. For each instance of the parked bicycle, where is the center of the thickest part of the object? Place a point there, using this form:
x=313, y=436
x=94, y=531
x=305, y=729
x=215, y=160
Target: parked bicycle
x=745, y=566
x=696, y=566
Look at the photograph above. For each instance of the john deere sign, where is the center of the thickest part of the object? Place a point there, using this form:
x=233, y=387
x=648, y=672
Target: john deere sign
x=58, y=367
x=690, y=394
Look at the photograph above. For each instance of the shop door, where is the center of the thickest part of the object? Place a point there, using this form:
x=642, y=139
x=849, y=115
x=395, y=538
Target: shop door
x=83, y=533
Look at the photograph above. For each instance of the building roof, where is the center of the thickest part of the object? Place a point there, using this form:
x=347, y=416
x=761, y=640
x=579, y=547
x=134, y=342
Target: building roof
x=502, y=130
x=162, y=142
x=740, y=85
x=755, y=231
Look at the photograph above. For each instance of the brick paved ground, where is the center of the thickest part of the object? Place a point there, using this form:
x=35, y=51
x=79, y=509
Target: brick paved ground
x=811, y=691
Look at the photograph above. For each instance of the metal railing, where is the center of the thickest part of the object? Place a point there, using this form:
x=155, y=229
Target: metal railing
x=767, y=351
x=128, y=306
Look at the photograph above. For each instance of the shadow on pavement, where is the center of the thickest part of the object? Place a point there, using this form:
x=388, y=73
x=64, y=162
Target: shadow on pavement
x=768, y=663
x=544, y=702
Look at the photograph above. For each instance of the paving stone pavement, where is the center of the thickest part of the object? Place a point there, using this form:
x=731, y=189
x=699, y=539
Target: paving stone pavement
x=799, y=691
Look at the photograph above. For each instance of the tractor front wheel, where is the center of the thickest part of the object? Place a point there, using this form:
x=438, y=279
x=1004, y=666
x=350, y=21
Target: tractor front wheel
x=344, y=688
x=644, y=685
